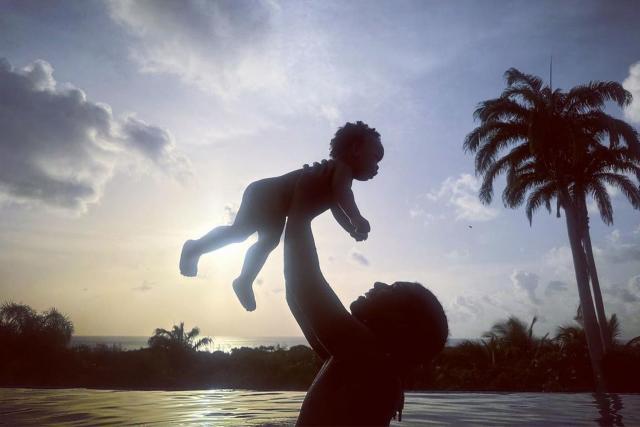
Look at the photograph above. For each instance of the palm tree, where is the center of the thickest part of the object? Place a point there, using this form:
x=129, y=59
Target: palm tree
x=20, y=325
x=605, y=166
x=512, y=337
x=572, y=336
x=178, y=339
x=555, y=141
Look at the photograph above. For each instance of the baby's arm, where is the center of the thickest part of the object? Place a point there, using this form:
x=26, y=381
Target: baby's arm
x=346, y=204
x=342, y=218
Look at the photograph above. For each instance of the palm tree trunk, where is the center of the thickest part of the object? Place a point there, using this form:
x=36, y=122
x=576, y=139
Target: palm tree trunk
x=595, y=283
x=591, y=329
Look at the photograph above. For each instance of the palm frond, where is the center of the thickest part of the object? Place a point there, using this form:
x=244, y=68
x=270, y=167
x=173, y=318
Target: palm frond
x=502, y=139
x=202, y=342
x=501, y=110
x=624, y=184
x=599, y=193
x=518, y=184
x=530, y=98
x=513, y=76
x=593, y=95
x=194, y=332
x=542, y=195
x=494, y=133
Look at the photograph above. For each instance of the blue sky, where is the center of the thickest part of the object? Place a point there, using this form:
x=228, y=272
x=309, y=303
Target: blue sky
x=134, y=126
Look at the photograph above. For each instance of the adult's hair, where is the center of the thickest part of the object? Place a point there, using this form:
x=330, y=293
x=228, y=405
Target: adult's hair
x=410, y=323
x=352, y=134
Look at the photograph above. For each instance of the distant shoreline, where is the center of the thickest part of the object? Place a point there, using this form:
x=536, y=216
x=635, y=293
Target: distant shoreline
x=224, y=343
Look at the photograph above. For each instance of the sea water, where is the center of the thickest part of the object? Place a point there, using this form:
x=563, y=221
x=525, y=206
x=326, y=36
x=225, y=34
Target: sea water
x=218, y=343
x=82, y=407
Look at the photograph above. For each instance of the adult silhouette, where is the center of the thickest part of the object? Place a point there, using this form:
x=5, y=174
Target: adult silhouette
x=366, y=353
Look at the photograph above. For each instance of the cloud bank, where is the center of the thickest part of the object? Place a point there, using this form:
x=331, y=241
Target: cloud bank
x=461, y=194
x=58, y=148
x=632, y=84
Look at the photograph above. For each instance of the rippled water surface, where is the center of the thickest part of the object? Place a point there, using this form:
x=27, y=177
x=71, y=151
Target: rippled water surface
x=80, y=407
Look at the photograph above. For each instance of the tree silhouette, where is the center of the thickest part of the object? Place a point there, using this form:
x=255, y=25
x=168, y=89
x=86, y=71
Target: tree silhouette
x=178, y=339
x=556, y=151
x=22, y=326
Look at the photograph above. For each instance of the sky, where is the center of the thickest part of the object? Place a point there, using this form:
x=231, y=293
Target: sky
x=128, y=127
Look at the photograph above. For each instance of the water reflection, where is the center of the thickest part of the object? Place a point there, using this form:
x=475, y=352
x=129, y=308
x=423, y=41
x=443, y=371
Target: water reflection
x=609, y=407
x=81, y=407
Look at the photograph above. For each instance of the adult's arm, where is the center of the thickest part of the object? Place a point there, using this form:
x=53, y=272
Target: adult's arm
x=308, y=333
x=336, y=329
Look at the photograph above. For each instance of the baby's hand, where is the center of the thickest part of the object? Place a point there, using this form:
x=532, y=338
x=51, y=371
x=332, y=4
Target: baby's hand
x=359, y=237
x=361, y=225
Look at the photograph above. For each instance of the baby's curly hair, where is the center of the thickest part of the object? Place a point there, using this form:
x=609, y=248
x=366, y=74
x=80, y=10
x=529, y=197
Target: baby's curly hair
x=351, y=134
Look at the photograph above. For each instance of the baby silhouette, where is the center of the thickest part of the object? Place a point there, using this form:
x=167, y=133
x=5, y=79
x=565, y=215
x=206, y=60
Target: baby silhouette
x=356, y=150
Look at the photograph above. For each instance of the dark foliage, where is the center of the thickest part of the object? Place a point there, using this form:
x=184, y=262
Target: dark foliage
x=508, y=358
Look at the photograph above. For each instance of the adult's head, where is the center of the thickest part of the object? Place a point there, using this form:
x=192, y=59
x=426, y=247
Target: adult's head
x=360, y=147
x=406, y=318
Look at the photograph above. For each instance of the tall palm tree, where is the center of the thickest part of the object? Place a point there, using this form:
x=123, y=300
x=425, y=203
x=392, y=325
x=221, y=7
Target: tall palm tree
x=551, y=137
x=591, y=171
x=611, y=166
x=178, y=339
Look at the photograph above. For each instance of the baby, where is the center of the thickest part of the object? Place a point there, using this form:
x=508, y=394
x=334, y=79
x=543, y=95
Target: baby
x=355, y=152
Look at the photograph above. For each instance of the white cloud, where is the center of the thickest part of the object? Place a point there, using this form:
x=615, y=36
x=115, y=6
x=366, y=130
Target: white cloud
x=560, y=261
x=358, y=258
x=244, y=52
x=144, y=287
x=58, y=148
x=624, y=295
x=462, y=194
x=555, y=287
x=265, y=61
x=614, y=236
x=527, y=282
x=634, y=285
x=632, y=84
x=218, y=46
x=416, y=212
x=456, y=255
x=619, y=251
x=464, y=309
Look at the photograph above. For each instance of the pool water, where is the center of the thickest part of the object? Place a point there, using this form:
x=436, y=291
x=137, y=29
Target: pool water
x=83, y=407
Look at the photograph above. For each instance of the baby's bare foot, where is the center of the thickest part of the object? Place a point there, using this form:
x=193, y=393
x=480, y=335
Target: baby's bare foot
x=189, y=259
x=244, y=292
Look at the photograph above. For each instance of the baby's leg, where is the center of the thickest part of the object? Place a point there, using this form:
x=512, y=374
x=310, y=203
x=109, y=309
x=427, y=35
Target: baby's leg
x=215, y=239
x=249, y=215
x=253, y=262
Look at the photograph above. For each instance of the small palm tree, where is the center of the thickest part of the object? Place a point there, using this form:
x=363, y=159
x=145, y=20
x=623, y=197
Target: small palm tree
x=178, y=339
x=512, y=336
x=23, y=326
x=550, y=146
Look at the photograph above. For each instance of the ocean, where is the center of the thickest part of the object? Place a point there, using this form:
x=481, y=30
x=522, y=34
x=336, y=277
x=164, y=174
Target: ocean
x=83, y=407
x=220, y=343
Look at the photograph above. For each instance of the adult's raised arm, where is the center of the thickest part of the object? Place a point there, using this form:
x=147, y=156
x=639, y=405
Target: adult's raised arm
x=335, y=328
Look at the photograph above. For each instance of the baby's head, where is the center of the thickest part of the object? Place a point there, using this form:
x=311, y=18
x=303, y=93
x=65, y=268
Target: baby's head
x=407, y=319
x=360, y=147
